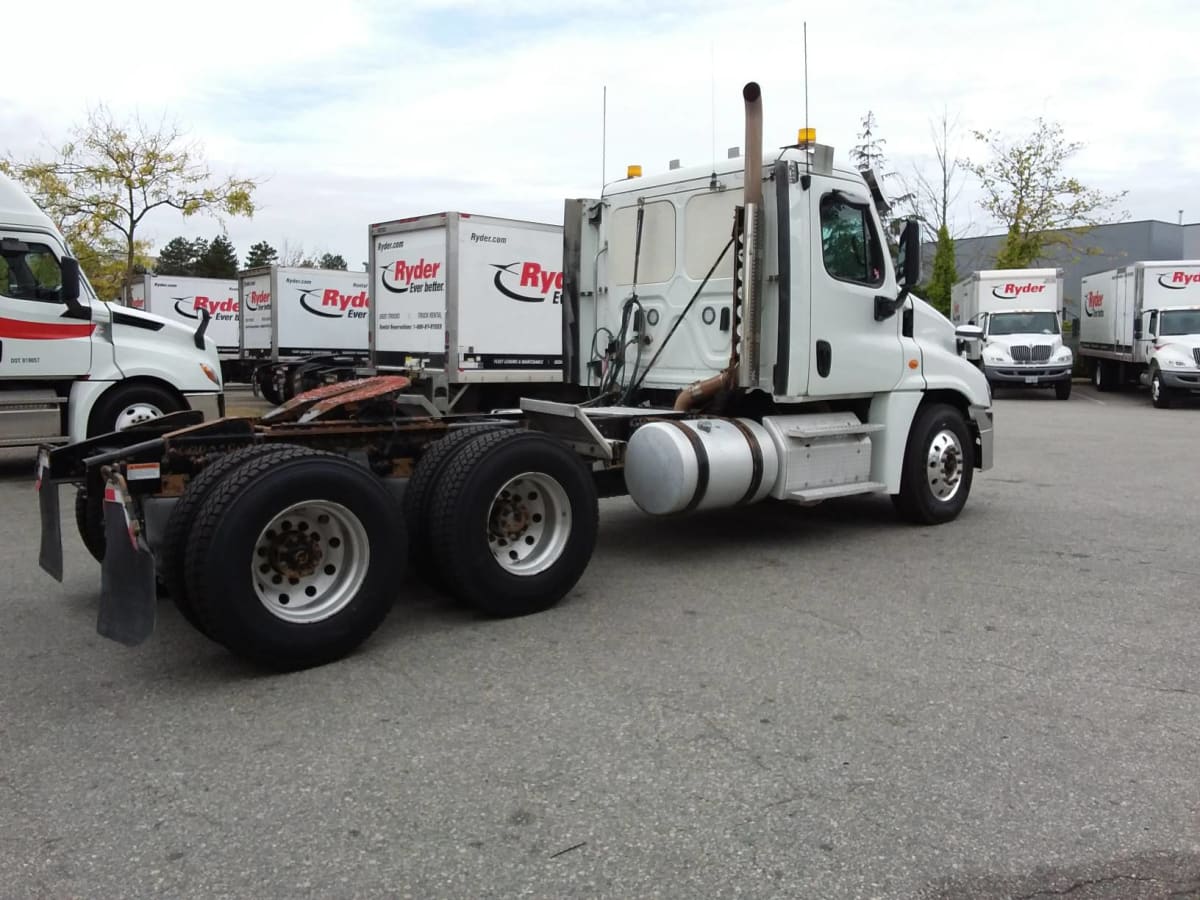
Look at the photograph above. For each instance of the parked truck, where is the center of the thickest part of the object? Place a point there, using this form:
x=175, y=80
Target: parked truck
x=1019, y=313
x=71, y=366
x=302, y=327
x=468, y=306
x=730, y=336
x=188, y=301
x=1141, y=323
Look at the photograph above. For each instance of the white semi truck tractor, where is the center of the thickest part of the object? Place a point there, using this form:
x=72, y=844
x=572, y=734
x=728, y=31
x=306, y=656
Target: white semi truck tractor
x=732, y=335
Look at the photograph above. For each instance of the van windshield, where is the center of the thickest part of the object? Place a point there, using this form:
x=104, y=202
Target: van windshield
x=1179, y=321
x=1023, y=323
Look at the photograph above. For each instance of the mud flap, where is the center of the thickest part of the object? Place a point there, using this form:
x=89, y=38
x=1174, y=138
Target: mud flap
x=128, y=599
x=50, y=556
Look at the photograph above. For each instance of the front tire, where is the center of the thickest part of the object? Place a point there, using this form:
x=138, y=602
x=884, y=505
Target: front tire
x=1101, y=377
x=514, y=523
x=1062, y=390
x=1160, y=394
x=294, y=562
x=939, y=465
x=127, y=405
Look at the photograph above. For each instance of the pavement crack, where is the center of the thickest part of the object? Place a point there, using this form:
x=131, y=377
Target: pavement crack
x=828, y=620
x=1086, y=883
x=568, y=850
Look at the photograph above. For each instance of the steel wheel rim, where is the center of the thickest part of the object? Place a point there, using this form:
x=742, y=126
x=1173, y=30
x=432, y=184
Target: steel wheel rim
x=1155, y=387
x=529, y=524
x=944, y=465
x=310, y=561
x=136, y=414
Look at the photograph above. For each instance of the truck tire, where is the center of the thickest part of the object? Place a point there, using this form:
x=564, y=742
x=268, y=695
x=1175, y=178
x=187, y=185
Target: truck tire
x=177, y=534
x=126, y=405
x=1062, y=389
x=89, y=519
x=419, y=493
x=1160, y=394
x=264, y=381
x=1101, y=375
x=514, y=522
x=294, y=561
x=939, y=462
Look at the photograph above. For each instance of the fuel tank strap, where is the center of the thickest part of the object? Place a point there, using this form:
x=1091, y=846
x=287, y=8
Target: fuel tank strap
x=756, y=461
x=701, y=464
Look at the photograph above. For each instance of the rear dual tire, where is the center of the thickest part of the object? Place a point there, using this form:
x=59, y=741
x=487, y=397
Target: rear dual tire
x=512, y=521
x=293, y=558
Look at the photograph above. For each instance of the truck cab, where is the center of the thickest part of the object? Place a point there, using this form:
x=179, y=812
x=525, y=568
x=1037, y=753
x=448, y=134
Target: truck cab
x=73, y=366
x=1167, y=342
x=1018, y=311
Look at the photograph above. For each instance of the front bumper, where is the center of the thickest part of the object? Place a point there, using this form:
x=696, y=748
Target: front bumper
x=211, y=404
x=981, y=417
x=1033, y=375
x=1180, y=381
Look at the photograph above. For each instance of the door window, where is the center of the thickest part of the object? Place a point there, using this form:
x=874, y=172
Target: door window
x=850, y=245
x=29, y=272
x=1154, y=324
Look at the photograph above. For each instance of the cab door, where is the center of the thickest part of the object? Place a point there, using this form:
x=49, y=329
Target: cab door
x=850, y=352
x=39, y=338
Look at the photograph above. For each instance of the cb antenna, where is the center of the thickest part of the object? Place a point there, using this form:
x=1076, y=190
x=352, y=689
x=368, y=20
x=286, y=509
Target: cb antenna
x=712, y=66
x=807, y=153
x=603, y=139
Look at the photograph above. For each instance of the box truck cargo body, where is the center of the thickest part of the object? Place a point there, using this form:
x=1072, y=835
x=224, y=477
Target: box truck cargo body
x=302, y=327
x=1018, y=310
x=183, y=299
x=1142, y=323
x=459, y=300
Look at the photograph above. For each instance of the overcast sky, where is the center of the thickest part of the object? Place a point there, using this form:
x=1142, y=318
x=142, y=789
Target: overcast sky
x=362, y=110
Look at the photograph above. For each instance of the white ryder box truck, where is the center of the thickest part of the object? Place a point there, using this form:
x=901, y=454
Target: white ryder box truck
x=185, y=300
x=73, y=367
x=1019, y=312
x=462, y=301
x=1142, y=322
x=303, y=326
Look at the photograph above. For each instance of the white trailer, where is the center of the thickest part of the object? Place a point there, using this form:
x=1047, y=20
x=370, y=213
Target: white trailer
x=302, y=327
x=1019, y=311
x=466, y=303
x=1141, y=323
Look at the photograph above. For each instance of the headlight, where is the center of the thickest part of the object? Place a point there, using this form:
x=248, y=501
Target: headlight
x=994, y=356
x=1063, y=355
x=1177, y=362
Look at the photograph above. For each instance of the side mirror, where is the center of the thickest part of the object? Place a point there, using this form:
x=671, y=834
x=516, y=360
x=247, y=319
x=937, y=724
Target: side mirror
x=69, y=267
x=968, y=333
x=909, y=255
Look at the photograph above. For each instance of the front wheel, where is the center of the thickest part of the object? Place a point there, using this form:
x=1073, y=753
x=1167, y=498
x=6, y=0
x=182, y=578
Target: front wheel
x=1062, y=390
x=939, y=463
x=514, y=522
x=294, y=561
x=1160, y=394
x=127, y=405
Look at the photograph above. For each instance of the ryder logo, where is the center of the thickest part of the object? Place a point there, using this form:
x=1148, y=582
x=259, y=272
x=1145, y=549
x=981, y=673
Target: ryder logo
x=334, y=304
x=1013, y=291
x=220, y=310
x=529, y=284
x=258, y=300
x=1093, y=304
x=398, y=276
x=1179, y=280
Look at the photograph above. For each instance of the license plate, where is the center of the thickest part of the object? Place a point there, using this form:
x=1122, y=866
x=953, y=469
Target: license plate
x=1031, y=379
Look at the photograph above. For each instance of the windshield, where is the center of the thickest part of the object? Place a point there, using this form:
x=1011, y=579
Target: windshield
x=1023, y=323
x=1179, y=321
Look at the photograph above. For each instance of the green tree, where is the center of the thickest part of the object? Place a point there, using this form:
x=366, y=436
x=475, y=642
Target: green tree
x=938, y=289
x=219, y=259
x=110, y=175
x=332, y=261
x=261, y=254
x=179, y=256
x=1027, y=189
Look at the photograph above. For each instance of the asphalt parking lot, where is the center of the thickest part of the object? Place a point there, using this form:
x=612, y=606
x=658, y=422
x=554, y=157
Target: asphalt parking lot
x=772, y=702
